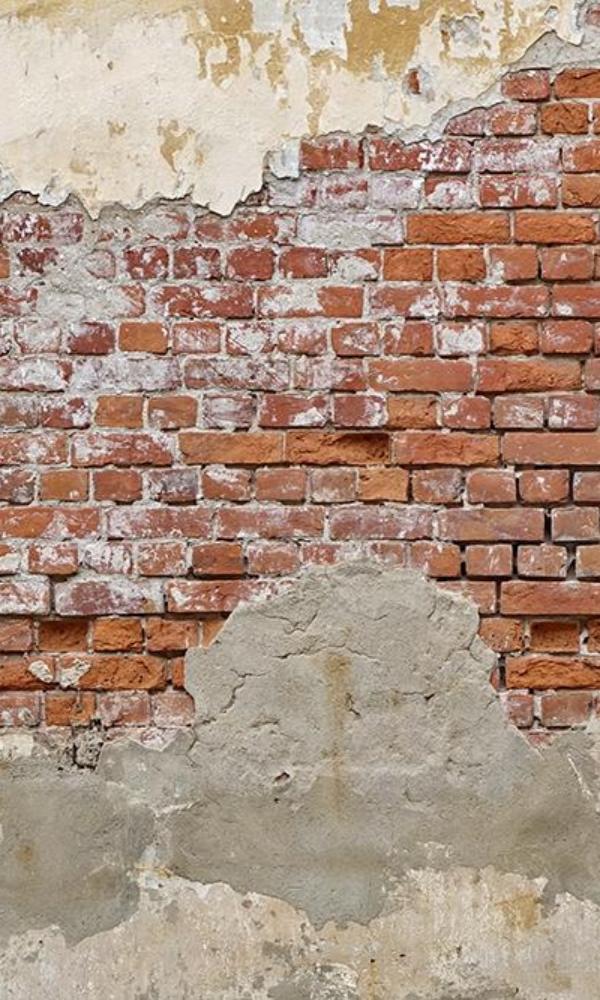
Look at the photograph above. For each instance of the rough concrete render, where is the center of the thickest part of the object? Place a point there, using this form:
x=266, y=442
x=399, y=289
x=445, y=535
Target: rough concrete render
x=299, y=500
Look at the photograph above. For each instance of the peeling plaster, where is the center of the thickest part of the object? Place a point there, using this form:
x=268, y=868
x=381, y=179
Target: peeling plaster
x=121, y=106
x=352, y=818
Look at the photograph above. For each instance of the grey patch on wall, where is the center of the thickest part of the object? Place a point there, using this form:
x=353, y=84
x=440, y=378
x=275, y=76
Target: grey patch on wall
x=350, y=766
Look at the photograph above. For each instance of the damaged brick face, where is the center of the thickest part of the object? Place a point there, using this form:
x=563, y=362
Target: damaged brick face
x=391, y=357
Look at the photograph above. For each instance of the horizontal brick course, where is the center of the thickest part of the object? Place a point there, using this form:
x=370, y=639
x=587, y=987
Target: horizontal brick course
x=394, y=356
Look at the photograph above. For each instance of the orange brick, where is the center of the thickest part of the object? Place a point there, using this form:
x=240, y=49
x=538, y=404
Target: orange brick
x=146, y=337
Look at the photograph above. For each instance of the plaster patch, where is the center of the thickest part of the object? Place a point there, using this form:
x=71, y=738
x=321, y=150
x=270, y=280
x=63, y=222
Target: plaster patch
x=351, y=817
x=227, y=84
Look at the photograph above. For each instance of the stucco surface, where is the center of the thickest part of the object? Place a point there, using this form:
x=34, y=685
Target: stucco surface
x=351, y=817
x=122, y=102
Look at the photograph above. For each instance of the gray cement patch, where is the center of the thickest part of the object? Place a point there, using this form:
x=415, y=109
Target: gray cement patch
x=351, y=791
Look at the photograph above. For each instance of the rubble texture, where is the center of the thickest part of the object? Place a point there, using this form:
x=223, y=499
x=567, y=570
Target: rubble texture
x=316, y=834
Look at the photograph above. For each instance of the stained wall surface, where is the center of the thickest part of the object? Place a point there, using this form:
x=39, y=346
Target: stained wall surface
x=123, y=102
x=298, y=308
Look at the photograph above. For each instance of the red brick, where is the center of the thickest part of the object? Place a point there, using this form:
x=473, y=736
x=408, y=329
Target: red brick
x=565, y=708
x=369, y=521
x=527, y=85
x=491, y=486
x=413, y=412
x=468, y=413
x=251, y=263
x=458, y=227
x=518, y=706
x=447, y=156
x=333, y=485
x=545, y=486
x=172, y=709
x=69, y=708
x=543, y=672
x=588, y=560
x=581, y=190
x=293, y=410
x=554, y=636
x=566, y=448
x=323, y=448
x=542, y=560
x=383, y=484
x=504, y=635
x=279, y=302
x=123, y=485
x=224, y=483
x=106, y=597
x=551, y=227
x=567, y=263
x=303, y=262
x=16, y=635
x=281, y=484
x=355, y=339
x=563, y=598
x=489, y=560
x=507, y=375
x=98, y=449
x=573, y=412
x=518, y=191
x=225, y=300
x=106, y=672
x=19, y=709
x=119, y=411
x=64, y=484
x=497, y=302
x=218, y=559
x=512, y=119
x=49, y=522
x=436, y=559
x=568, y=118
x=513, y=263
x=461, y=265
x=146, y=263
x=489, y=525
x=167, y=635
x=330, y=153
x=577, y=83
x=124, y=708
x=59, y=559
x=118, y=635
x=437, y=485
x=438, y=448
x=204, y=447
x=161, y=559
x=196, y=337
x=408, y=264
x=514, y=337
x=196, y=262
x=202, y=596
x=582, y=156
x=273, y=558
x=519, y=411
x=60, y=635
x=269, y=522
x=408, y=337
x=147, y=337
x=566, y=336
x=420, y=375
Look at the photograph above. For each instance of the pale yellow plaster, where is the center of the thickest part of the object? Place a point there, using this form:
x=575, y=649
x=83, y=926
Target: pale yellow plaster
x=123, y=102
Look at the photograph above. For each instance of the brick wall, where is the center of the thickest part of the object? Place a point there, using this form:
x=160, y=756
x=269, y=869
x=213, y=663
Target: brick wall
x=392, y=356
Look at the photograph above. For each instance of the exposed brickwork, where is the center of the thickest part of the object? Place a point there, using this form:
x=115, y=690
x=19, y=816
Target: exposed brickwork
x=392, y=356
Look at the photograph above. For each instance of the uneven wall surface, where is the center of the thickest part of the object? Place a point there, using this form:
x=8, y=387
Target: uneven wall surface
x=299, y=307
x=391, y=356
x=350, y=817
x=121, y=101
